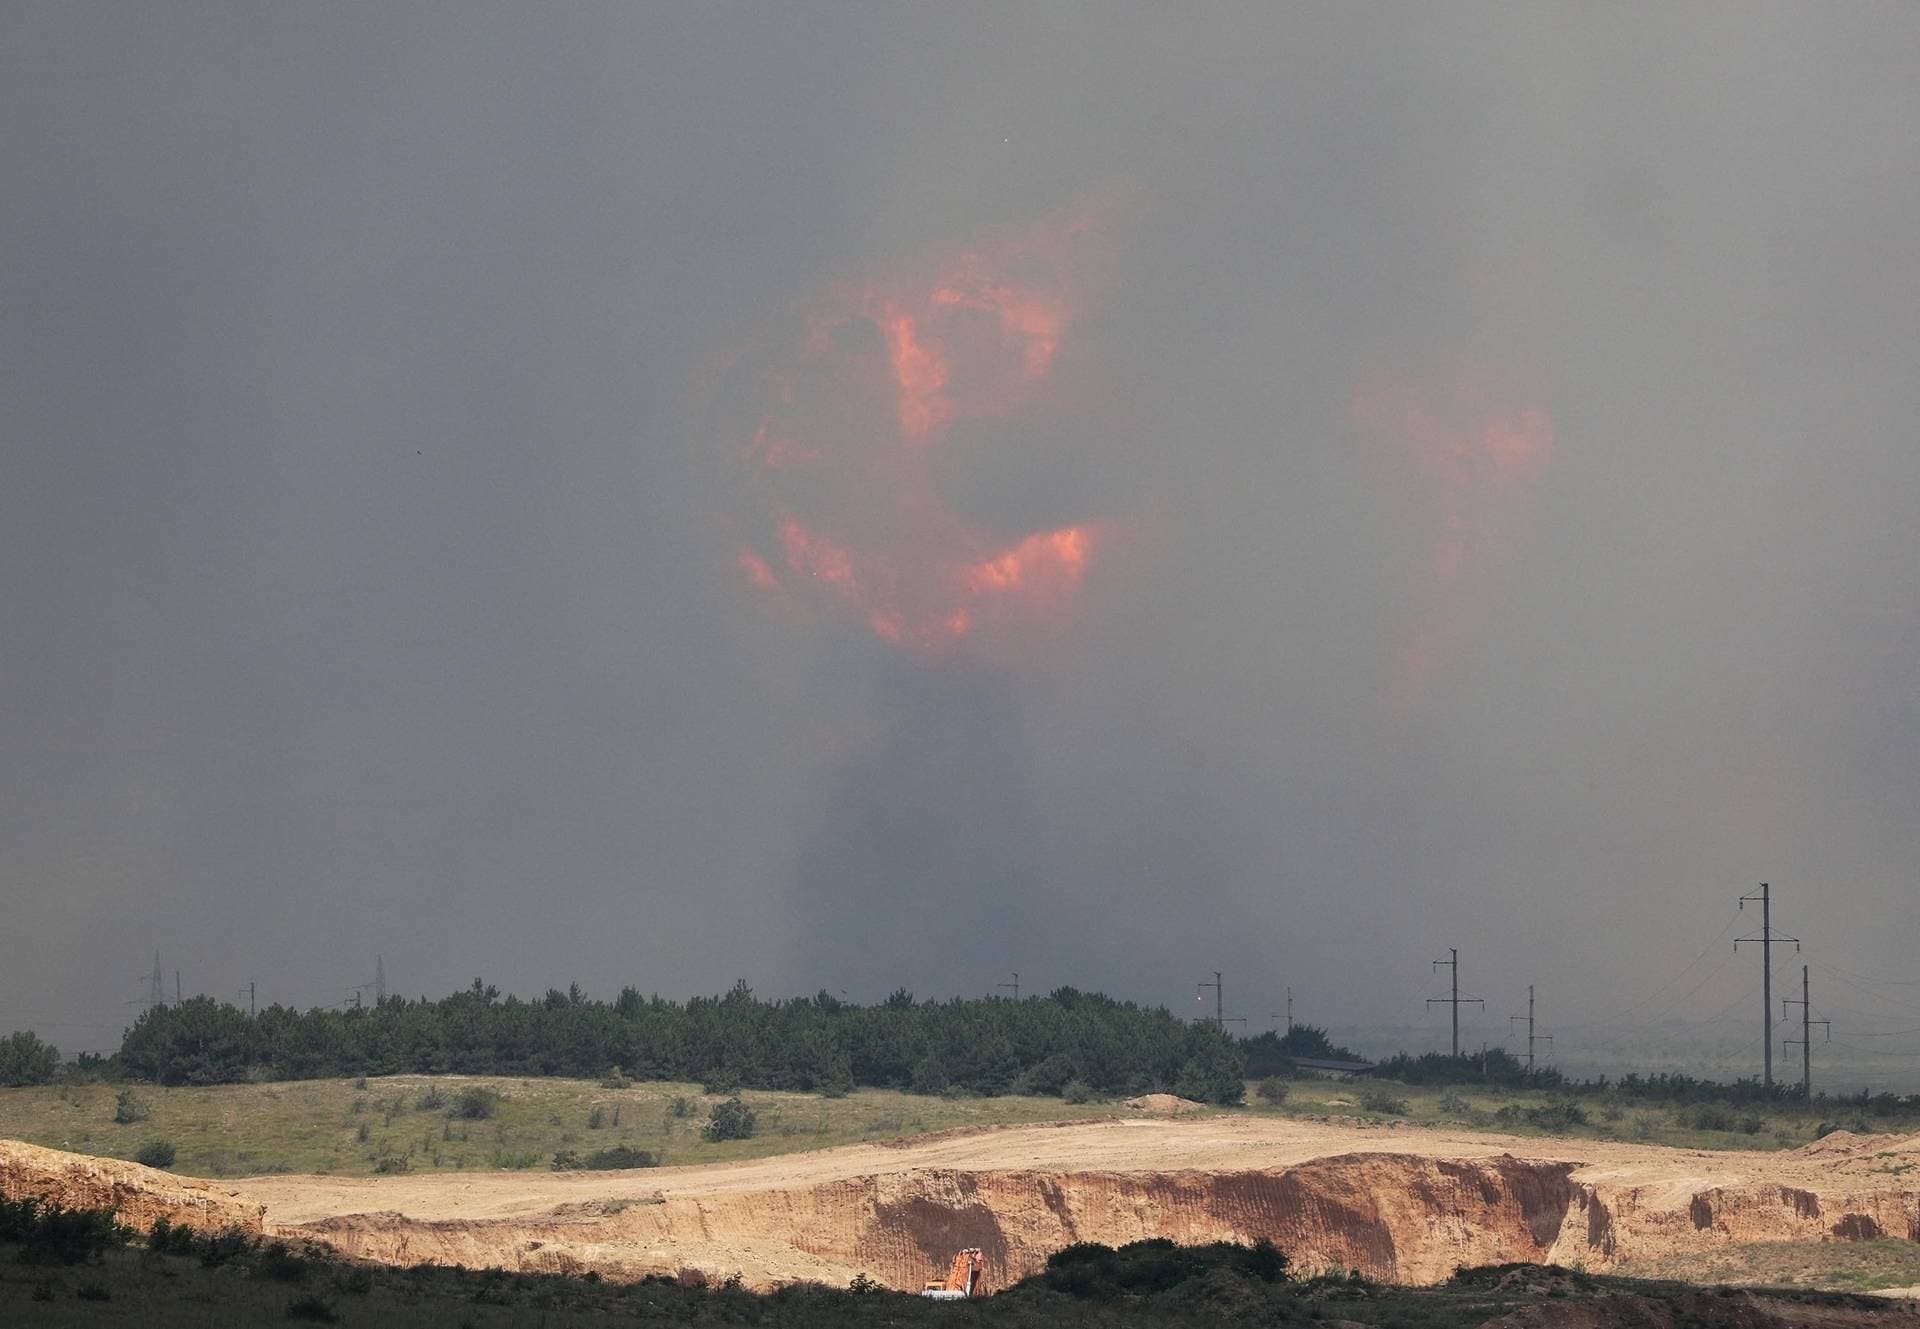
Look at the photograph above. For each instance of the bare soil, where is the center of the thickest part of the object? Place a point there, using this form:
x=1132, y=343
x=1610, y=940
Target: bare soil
x=1402, y=1204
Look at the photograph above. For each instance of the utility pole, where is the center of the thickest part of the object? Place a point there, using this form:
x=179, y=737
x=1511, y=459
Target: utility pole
x=1531, y=1036
x=379, y=980
x=1219, y=1002
x=1275, y=1015
x=1807, y=1022
x=1456, y=999
x=1765, y=897
x=1015, y=985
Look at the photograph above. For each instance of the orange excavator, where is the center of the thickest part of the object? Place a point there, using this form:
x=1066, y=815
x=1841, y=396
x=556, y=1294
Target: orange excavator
x=962, y=1281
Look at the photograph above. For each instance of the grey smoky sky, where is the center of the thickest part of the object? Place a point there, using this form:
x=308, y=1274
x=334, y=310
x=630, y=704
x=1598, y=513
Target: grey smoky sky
x=370, y=494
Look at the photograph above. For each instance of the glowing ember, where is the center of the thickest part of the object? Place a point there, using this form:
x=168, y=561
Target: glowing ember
x=884, y=373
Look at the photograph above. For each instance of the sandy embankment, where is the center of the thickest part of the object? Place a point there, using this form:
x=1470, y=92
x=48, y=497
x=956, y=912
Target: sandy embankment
x=1403, y=1204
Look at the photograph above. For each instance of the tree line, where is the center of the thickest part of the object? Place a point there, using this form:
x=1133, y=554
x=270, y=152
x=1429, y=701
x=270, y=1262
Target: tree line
x=1064, y=1042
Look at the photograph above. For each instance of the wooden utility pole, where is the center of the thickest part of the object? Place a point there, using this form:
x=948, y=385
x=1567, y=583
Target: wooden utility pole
x=1456, y=999
x=1766, y=939
x=1219, y=996
x=1531, y=1036
x=1219, y=1002
x=1807, y=1022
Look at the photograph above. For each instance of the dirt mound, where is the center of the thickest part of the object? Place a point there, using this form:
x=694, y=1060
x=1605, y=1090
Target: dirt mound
x=1841, y=1143
x=139, y=1194
x=1165, y=1105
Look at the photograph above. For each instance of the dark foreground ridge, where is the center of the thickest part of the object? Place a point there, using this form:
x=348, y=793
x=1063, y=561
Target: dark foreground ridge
x=81, y=1267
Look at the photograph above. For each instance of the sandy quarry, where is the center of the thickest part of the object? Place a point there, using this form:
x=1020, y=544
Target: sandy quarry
x=1404, y=1204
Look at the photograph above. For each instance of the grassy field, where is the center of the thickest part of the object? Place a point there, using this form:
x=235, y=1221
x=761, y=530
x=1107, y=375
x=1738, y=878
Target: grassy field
x=1684, y=1126
x=1841, y=1266
x=357, y=1127
x=395, y=1123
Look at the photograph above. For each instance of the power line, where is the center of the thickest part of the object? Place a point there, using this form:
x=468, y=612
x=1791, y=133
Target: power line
x=1806, y=1033
x=1531, y=1036
x=1765, y=897
x=1655, y=991
x=1456, y=999
x=1220, y=1016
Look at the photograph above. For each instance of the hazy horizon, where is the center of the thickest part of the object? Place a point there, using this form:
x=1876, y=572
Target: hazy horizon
x=852, y=498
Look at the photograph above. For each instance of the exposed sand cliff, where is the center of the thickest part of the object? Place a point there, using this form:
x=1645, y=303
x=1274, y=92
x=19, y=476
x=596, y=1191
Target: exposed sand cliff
x=1404, y=1205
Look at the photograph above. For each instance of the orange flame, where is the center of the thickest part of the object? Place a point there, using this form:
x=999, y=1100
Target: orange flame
x=1482, y=442
x=884, y=371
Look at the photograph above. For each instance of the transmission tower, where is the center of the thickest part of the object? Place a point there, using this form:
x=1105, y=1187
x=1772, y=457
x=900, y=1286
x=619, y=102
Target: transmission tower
x=1015, y=985
x=1807, y=1022
x=1456, y=999
x=1532, y=1037
x=1766, y=940
x=156, y=986
x=379, y=980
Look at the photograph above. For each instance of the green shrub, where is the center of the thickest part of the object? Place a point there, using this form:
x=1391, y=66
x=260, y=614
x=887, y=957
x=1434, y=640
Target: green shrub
x=282, y=1265
x=615, y=1079
x=1378, y=1098
x=681, y=1106
x=50, y=1234
x=24, y=1060
x=431, y=1099
x=596, y=1118
x=166, y=1239
x=729, y=1120
x=311, y=1308
x=155, y=1153
x=129, y=1108
x=1712, y=1117
x=615, y=1158
x=1556, y=1117
x=476, y=1103
x=1076, y=1091
x=1273, y=1090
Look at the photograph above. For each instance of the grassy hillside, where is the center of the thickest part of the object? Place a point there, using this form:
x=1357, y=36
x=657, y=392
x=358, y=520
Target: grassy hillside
x=355, y=1127
x=1598, y=1117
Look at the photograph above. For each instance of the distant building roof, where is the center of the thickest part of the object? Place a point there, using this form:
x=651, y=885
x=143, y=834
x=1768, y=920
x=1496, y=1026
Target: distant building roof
x=1323, y=1064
